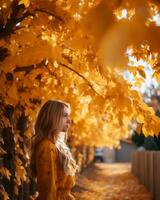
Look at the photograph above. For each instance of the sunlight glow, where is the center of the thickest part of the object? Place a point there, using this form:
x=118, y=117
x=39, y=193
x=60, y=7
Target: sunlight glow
x=149, y=81
x=123, y=13
x=154, y=14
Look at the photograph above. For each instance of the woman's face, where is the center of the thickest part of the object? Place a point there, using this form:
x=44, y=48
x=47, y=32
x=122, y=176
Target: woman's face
x=65, y=119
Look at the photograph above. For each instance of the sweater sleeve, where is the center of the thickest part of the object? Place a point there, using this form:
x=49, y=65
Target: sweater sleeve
x=70, y=182
x=47, y=172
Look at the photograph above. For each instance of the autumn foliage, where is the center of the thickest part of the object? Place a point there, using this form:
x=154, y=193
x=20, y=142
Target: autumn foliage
x=46, y=53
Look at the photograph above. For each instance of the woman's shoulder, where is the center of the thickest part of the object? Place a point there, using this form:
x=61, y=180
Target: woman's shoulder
x=46, y=144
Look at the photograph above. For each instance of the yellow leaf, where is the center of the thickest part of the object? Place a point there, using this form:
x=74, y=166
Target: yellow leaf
x=142, y=73
x=155, y=126
x=133, y=70
x=140, y=67
x=157, y=129
x=12, y=95
x=156, y=66
x=25, y=2
x=136, y=95
x=55, y=64
x=141, y=118
x=145, y=131
x=138, y=81
x=5, y=172
x=3, y=193
x=139, y=128
x=156, y=76
x=123, y=102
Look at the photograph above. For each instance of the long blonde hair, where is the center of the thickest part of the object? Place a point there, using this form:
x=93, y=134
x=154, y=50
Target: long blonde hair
x=47, y=125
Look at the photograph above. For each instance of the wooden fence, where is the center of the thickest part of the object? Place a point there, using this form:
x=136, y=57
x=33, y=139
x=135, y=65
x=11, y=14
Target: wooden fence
x=146, y=166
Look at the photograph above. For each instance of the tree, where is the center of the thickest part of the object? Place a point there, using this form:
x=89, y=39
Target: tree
x=45, y=53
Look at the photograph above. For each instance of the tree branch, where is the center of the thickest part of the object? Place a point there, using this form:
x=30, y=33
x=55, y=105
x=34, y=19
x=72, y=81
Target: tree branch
x=49, y=13
x=29, y=68
x=80, y=75
x=9, y=28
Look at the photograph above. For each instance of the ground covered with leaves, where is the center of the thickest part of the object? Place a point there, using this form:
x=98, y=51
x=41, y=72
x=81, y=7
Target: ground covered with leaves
x=109, y=181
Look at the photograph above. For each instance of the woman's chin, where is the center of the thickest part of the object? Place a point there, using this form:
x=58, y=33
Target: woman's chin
x=65, y=129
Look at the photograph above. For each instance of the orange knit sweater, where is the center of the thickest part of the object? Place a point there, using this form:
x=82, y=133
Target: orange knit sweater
x=52, y=182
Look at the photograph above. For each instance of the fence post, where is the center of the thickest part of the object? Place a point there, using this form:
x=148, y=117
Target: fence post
x=151, y=172
x=146, y=168
x=156, y=169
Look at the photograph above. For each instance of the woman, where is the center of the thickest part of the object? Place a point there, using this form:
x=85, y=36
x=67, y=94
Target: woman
x=51, y=160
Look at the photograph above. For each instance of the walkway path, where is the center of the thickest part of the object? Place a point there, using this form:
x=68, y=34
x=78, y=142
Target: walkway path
x=109, y=182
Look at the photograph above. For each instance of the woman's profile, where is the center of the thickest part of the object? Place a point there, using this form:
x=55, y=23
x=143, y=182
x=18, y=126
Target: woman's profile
x=51, y=160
